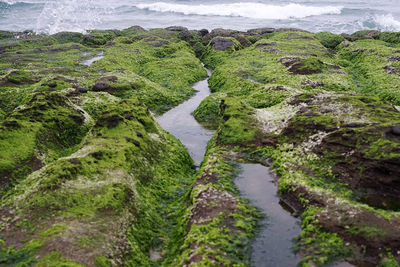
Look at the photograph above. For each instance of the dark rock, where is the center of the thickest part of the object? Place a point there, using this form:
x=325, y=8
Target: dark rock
x=242, y=40
x=394, y=58
x=288, y=61
x=203, y=32
x=261, y=31
x=391, y=70
x=158, y=43
x=52, y=85
x=77, y=119
x=101, y=86
x=112, y=121
x=396, y=130
x=139, y=134
x=290, y=30
x=110, y=78
x=265, y=44
x=221, y=44
x=226, y=117
x=133, y=141
x=302, y=109
x=11, y=124
x=177, y=28
x=353, y=125
x=373, y=33
x=312, y=83
x=311, y=114
x=78, y=90
x=97, y=155
x=136, y=143
x=128, y=116
x=75, y=161
x=222, y=32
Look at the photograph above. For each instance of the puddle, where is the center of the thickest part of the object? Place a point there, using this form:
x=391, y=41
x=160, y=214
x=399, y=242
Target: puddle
x=90, y=61
x=273, y=244
x=180, y=122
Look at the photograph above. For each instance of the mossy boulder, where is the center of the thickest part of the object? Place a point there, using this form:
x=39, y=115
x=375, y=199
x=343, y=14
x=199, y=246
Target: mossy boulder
x=68, y=37
x=329, y=40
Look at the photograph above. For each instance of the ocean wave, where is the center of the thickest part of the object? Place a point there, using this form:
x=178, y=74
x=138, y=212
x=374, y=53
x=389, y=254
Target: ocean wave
x=16, y=3
x=387, y=23
x=73, y=15
x=248, y=10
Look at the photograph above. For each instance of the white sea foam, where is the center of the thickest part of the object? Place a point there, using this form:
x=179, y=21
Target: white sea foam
x=248, y=10
x=72, y=15
x=387, y=23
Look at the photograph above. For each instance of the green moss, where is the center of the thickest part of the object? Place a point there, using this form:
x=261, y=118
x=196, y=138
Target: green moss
x=369, y=232
x=110, y=175
x=56, y=229
x=209, y=109
x=329, y=40
x=320, y=246
x=68, y=37
x=383, y=148
x=99, y=37
x=223, y=239
x=389, y=37
x=6, y=35
x=102, y=261
x=367, y=61
x=389, y=261
x=238, y=125
x=20, y=77
x=310, y=65
x=22, y=257
x=54, y=259
x=211, y=58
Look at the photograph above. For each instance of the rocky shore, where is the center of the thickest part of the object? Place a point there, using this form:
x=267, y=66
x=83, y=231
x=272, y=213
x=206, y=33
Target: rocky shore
x=88, y=177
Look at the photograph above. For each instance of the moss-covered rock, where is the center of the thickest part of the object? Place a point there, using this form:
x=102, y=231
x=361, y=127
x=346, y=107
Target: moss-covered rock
x=100, y=190
x=329, y=40
x=313, y=112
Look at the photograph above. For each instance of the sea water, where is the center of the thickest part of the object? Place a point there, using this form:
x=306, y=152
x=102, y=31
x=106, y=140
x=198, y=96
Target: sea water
x=51, y=16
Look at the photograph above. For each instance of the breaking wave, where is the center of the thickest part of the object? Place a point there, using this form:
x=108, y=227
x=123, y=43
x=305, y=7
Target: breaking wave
x=387, y=23
x=248, y=10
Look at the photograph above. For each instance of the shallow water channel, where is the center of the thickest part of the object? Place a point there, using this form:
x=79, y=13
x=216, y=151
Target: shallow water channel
x=90, y=61
x=273, y=245
x=180, y=122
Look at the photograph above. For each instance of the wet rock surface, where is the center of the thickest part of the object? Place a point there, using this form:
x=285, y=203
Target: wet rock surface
x=221, y=44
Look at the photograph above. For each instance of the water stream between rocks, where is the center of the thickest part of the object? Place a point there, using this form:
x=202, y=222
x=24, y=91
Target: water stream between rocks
x=90, y=61
x=273, y=245
x=180, y=122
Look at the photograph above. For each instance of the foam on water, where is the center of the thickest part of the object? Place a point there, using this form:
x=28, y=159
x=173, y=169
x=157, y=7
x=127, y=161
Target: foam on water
x=248, y=10
x=51, y=16
x=387, y=22
x=72, y=15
